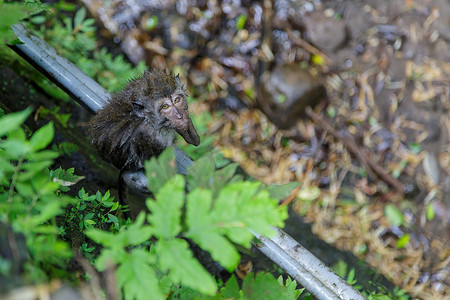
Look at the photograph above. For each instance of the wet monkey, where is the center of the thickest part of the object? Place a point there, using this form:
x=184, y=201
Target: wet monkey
x=141, y=120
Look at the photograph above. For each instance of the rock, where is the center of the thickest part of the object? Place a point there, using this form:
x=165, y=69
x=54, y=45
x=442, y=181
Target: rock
x=286, y=92
x=327, y=33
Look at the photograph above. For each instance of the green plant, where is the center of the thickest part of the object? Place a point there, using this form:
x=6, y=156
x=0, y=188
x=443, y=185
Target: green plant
x=12, y=13
x=31, y=195
x=97, y=210
x=216, y=213
x=75, y=39
x=377, y=292
x=254, y=287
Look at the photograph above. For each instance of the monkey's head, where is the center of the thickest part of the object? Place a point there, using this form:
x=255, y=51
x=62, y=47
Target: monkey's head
x=160, y=98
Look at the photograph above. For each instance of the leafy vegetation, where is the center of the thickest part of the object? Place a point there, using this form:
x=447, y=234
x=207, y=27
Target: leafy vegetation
x=30, y=195
x=216, y=214
x=379, y=292
x=74, y=38
x=13, y=12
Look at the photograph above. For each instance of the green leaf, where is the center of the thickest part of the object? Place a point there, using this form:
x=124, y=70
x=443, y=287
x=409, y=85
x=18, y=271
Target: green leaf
x=152, y=22
x=47, y=212
x=160, y=170
x=15, y=148
x=291, y=287
x=231, y=289
x=12, y=121
x=37, y=19
x=403, y=241
x=42, y=155
x=340, y=268
x=430, y=211
x=281, y=191
x=200, y=172
x=12, y=13
x=265, y=286
x=240, y=206
x=17, y=134
x=79, y=17
x=102, y=237
x=240, y=22
x=176, y=257
x=42, y=137
x=166, y=209
x=137, y=233
x=205, y=231
x=137, y=278
x=25, y=189
x=203, y=174
x=109, y=257
x=394, y=215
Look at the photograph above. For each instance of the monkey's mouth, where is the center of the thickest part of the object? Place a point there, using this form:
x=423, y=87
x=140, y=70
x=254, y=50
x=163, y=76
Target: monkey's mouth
x=189, y=133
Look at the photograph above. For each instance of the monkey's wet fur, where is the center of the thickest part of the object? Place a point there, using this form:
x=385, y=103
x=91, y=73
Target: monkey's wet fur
x=140, y=121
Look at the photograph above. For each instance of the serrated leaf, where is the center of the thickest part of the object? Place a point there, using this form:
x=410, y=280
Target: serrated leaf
x=231, y=289
x=137, y=278
x=160, y=170
x=264, y=286
x=241, y=206
x=222, y=177
x=11, y=14
x=137, y=233
x=176, y=257
x=204, y=230
x=290, y=287
x=166, y=209
x=200, y=172
x=12, y=121
x=108, y=257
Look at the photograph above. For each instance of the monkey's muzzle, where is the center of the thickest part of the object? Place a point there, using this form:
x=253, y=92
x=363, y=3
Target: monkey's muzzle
x=189, y=133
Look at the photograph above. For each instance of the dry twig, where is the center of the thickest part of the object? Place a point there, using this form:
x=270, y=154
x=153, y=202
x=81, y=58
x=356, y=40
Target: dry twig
x=373, y=168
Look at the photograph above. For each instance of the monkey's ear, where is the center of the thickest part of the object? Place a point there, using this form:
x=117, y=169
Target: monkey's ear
x=138, y=108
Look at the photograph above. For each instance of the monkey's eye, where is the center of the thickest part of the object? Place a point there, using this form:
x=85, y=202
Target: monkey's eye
x=177, y=99
x=165, y=106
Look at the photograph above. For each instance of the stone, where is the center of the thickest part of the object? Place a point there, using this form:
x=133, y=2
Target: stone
x=286, y=92
x=327, y=33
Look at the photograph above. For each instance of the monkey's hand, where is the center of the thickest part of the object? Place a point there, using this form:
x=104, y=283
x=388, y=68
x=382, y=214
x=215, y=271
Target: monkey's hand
x=136, y=181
